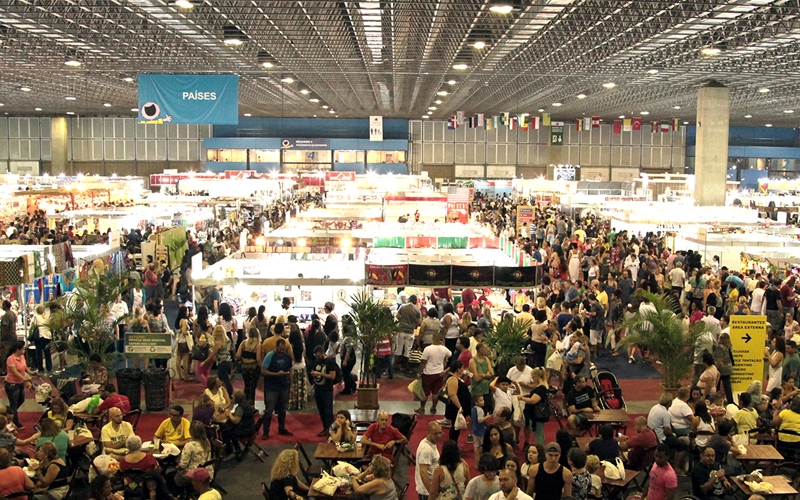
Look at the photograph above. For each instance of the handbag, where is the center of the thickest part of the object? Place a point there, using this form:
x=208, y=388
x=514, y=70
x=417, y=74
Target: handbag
x=443, y=395
x=415, y=356
x=542, y=410
x=614, y=471
x=33, y=334
x=199, y=353
x=415, y=388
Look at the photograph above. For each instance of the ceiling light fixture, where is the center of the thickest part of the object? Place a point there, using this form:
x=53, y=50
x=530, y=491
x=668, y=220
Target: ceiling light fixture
x=314, y=99
x=503, y=6
x=264, y=59
x=581, y=96
x=442, y=93
x=70, y=98
x=432, y=108
x=287, y=79
x=25, y=89
x=767, y=125
x=231, y=35
x=451, y=82
x=652, y=71
x=37, y=109
x=184, y=4
x=686, y=123
x=609, y=85
x=331, y=111
x=127, y=79
x=763, y=90
x=325, y=106
x=70, y=112
x=304, y=91
x=711, y=51
x=556, y=104
x=437, y=101
x=748, y=116
x=540, y=110
x=479, y=45
x=645, y=112
x=107, y=104
x=676, y=107
x=135, y=110
x=248, y=114
x=425, y=116
x=71, y=59
x=460, y=67
x=788, y=111
x=621, y=116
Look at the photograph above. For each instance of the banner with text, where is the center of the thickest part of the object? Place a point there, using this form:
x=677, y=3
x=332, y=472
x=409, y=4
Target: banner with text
x=557, y=135
x=422, y=275
x=148, y=345
x=748, y=338
x=394, y=275
x=473, y=276
x=375, y=128
x=205, y=99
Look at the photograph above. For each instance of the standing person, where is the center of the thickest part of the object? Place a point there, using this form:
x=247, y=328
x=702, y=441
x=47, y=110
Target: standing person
x=775, y=360
x=710, y=377
x=427, y=460
x=537, y=395
x=183, y=349
x=485, y=485
x=222, y=354
x=409, y=318
x=324, y=372
x=43, y=358
x=677, y=278
x=298, y=392
x=550, y=480
x=663, y=480
x=509, y=487
x=482, y=370
x=249, y=353
x=430, y=326
x=17, y=380
x=119, y=310
x=8, y=335
x=772, y=306
x=723, y=359
x=276, y=369
x=432, y=371
x=450, y=477
x=459, y=399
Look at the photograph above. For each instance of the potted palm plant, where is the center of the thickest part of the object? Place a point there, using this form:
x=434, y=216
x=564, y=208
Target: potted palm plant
x=664, y=333
x=507, y=338
x=371, y=323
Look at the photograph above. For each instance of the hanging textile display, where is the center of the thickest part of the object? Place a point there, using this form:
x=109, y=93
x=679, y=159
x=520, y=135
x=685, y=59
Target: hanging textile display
x=11, y=271
x=49, y=290
x=473, y=276
x=425, y=275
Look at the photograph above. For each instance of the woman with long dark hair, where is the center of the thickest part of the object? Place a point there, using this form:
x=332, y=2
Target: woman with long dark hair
x=451, y=476
x=495, y=444
x=702, y=424
x=249, y=353
x=261, y=323
x=775, y=360
x=298, y=390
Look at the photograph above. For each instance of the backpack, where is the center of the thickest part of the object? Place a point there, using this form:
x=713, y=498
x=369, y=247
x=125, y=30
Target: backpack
x=402, y=423
x=338, y=378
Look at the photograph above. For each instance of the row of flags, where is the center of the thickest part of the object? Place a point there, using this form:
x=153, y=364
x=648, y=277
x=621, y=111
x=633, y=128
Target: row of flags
x=527, y=122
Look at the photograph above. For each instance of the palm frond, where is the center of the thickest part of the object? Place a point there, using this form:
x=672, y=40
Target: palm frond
x=372, y=322
x=507, y=338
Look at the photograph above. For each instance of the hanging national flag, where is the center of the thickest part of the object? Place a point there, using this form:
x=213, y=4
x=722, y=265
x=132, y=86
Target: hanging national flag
x=666, y=126
x=505, y=118
x=653, y=127
x=460, y=117
x=452, y=123
x=587, y=123
x=545, y=119
x=535, y=122
x=595, y=122
x=626, y=125
x=637, y=123
x=489, y=124
x=578, y=125
x=676, y=124
x=522, y=122
x=512, y=123
x=617, y=129
x=495, y=121
x=479, y=117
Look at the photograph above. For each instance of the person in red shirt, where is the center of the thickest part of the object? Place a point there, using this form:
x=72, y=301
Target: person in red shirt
x=464, y=354
x=641, y=447
x=381, y=437
x=13, y=479
x=468, y=297
x=112, y=399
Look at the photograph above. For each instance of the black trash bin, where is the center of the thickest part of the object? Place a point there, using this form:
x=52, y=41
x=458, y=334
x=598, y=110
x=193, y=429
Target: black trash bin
x=156, y=389
x=129, y=383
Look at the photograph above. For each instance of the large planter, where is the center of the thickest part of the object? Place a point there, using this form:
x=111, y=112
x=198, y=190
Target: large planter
x=367, y=398
x=671, y=390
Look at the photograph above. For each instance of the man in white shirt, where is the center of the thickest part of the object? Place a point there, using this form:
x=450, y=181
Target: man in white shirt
x=432, y=370
x=680, y=413
x=521, y=374
x=120, y=309
x=712, y=322
x=427, y=460
x=677, y=277
x=758, y=305
x=508, y=487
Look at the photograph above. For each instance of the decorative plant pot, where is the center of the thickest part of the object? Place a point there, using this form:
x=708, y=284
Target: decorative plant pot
x=671, y=390
x=367, y=398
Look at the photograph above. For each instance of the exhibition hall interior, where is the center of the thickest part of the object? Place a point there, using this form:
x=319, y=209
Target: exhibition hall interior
x=399, y=250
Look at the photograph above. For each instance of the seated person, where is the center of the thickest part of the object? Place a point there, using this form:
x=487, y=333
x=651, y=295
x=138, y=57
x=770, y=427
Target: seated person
x=60, y=414
x=9, y=439
x=717, y=408
x=606, y=448
x=375, y=483
x=136, y=459
x=381, y=437
x=284, y=485
x=116, y=433
x=204, y=411
x=175, y=429
x=112, y=399
x=96, y=374
x=641, y=447
x=52, y=475
x=238, y=423
x=51, y=433
x=722, y=443
x=788, y=424
x=708, y=478
x=747, y=417
x=342, y=429
x=581, y=401
x=12, y=478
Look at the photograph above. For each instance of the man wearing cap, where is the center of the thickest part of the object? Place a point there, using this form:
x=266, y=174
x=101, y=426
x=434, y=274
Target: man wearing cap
x=549, y=480
x=409, y=318
x=509, y=488
x=115, y=433
x=201, y=482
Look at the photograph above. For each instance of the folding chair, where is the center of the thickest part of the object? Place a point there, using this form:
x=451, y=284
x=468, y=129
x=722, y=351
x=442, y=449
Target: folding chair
x=133, y=417
x=249, y=443
x=217, y=457
x=406, y=451
x=401, y=494
x=264, y=490
x=309, y=469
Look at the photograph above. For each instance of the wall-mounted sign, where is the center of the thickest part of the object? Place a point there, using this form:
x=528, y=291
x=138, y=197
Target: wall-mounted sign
x=557, y=135
x=305, y=144
x=211, y=99
x=564, y=173
x=375, y=128
x=340, y=176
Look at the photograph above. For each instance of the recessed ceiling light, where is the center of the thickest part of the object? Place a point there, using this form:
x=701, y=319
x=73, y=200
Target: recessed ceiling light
x=324, y=106
x=710, y=51
x=621, y=116
x=314, y=99
x=788, y=111
x=107, y=104
x=184, y=4
x=581, y=96
x=609, y=85
x=72, y=62
x=231, y=35
x=287, y=79
x=70, y=112
x=37, y=109
x=1, y=104
x=304, y=91
x=437, y=101
x=425, y=116
x=266, y=64
x=763, y=90
x=767, y=124
x=556, y=104
x=247, y=114
x=451, y=82
x=540, y=110
x=676, y=107
x=686, y=123
x=135, y=110
x=460, y=66
x=429, y=113
x=652, y=71
x=331, y=111
x=479, y=45
x=432, y=108
x=645, y=112
x=70, y=98
x=442, y=92
x=127, y=79
x=748, y=116
x=25, y=89
x=502, y=8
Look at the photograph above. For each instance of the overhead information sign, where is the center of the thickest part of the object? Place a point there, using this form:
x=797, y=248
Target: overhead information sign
x=209, y=99
x=148, y=345
x=748, y=338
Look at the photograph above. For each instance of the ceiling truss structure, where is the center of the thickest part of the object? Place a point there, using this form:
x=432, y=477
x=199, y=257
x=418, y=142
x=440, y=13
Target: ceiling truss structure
x=397, y=58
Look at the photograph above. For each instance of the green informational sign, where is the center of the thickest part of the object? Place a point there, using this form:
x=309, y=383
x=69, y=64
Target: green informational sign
x=148, y=345
x=389, y=242
x=452, y=242
x=557, y=135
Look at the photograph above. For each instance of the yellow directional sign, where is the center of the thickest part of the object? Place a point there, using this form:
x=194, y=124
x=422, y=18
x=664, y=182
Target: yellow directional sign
x=748, y=339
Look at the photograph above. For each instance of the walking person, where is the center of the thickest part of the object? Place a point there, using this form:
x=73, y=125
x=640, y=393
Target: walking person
x=17, y=380
x=325, y=372
x=276, y=368
x=43, y=339
x=249, y=353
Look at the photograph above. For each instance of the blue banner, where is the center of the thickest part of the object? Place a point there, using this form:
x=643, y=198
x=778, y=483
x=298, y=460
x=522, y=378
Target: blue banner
x=210, y=99
x=306, y=144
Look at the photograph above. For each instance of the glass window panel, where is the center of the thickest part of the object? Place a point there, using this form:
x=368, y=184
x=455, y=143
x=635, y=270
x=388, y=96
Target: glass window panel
x=386, y=156
x=307, y=156
x=345, y=156
x=265, y=155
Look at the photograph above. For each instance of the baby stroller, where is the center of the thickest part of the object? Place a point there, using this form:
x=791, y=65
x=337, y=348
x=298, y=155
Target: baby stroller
x=609, y=394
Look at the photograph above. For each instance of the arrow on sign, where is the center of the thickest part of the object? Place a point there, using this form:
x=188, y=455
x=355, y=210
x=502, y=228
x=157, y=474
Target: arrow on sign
x=746, y=338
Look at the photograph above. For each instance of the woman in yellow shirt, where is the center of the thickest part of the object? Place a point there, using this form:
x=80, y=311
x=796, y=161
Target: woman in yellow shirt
x=788, y=424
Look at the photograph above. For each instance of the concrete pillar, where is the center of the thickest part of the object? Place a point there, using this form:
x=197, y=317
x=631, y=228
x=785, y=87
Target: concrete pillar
x=711, y=159
x=59, y=147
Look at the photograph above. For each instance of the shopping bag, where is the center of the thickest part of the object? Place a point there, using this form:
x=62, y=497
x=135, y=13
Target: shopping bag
x=461, y=422
x=344, y=469
x=415, y=388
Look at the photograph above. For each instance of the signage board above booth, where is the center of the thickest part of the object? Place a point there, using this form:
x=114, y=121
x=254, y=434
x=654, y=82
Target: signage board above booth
x=305, y=144
x=202, y=99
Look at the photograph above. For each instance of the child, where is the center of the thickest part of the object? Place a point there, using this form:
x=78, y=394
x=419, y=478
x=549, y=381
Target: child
x=479, y=418
x=581, y=479
x=592, y=466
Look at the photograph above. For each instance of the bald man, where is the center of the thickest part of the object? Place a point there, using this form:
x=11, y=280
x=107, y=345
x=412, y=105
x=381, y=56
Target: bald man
x=509, y=488
x=427, y=460
x=381, y=437
x=115, y=433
